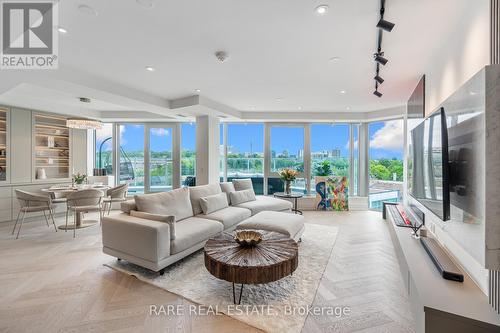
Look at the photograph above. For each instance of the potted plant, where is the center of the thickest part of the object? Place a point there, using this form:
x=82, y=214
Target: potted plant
x=79, y=178
x=288, y=175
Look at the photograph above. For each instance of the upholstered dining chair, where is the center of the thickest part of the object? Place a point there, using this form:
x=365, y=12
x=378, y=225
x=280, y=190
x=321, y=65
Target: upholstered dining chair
x=83, y=201
x=115, y=194
x=32, y=203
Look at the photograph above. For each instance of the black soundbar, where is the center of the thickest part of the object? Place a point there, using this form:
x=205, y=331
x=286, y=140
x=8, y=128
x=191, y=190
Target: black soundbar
x=445, y=266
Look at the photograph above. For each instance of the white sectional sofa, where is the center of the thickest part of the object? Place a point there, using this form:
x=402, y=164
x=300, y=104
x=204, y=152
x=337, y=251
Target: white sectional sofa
x=156, y=230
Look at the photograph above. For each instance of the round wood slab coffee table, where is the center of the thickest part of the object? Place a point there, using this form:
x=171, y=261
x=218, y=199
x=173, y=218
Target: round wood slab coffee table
x=275, y=257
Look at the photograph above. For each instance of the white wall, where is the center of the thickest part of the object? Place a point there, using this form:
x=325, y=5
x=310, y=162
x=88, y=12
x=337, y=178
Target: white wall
x=463, y=53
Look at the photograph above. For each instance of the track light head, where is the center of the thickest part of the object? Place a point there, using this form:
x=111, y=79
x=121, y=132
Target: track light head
x=379, y=79
x=377, y=93
x=385, y=25
x=380, y=59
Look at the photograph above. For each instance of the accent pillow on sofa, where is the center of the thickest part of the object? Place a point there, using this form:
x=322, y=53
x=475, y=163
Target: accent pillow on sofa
x=174, y=203
x=242, y=184
x=239, y=197
x=213, y=203
x=156, y=217
x=197, y=192
x=227, y=187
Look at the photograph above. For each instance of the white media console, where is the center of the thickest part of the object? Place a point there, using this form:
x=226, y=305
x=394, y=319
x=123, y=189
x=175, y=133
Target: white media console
x=439, y=305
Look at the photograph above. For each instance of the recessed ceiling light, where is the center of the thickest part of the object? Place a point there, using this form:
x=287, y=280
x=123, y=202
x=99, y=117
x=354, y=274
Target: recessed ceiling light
x=334, y=58
x=279, y=99
x=145, y=3
x=252, y=107
x=87, y=10
x=348, y=108
x=300, y=107
x=472, y=93
x=321, y=9
x=150, y=69
x=197, y=90
x=62, y=30
x=342, y=91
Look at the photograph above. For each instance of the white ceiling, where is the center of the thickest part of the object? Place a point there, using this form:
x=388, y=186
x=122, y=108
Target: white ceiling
x=278, y=49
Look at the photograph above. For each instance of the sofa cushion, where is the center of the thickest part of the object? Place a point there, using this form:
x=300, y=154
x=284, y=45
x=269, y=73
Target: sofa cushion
x=263, y=203
x=229, y=216
x=227, y=187
x=155, y=217
x=285, y=223
x=242, y=184
x=127, y=206
x=192, y=231
x=238, y=197
x=198, y=192
x=174, y=203
x=213, y=203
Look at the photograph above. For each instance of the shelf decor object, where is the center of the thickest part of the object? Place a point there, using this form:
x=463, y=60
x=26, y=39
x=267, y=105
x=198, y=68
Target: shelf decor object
x=3, y=145
x=82, y=123
x=52, y=147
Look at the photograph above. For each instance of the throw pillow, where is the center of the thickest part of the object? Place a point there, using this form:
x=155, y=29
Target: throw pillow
x=227, y=187
x=213, y=203
x=175, y=203
x=239, y=197
x=197, y=192
x=156, y=217
x=242, y=184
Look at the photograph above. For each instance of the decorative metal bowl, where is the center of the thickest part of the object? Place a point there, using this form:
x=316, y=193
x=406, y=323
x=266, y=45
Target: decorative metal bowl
x=248, y=238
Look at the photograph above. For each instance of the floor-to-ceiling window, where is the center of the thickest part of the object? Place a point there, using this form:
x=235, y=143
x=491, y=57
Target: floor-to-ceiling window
x=188, y=154
x=160, y=171
x=104, y=148
x=222, y=152
x=330, y=153
x=131, y=157
x=386, y=162
x=354, y=182
x=245, y=153
x=287, y=151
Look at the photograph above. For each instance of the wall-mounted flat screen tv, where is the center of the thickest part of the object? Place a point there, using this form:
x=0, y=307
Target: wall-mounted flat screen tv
x=415, y=107
x=428, y=165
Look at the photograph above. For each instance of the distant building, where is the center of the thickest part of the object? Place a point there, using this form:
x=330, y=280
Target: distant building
x=334, y=153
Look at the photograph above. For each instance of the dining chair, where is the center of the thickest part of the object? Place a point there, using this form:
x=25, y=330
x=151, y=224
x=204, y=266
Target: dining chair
x=31, y=203
x=89, y=200
x=115, y=194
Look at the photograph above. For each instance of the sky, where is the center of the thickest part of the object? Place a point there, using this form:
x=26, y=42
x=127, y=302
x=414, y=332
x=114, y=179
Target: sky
x=386, y=138
x=132, y=137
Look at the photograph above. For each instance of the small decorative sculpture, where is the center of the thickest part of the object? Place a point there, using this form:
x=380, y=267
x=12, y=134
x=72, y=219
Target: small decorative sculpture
x=248, y=238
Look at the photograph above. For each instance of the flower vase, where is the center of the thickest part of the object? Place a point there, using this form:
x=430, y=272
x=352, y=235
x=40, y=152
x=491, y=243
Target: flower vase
x=288, y=187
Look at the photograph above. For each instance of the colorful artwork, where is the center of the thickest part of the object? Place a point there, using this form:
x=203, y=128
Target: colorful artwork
x=332, y=193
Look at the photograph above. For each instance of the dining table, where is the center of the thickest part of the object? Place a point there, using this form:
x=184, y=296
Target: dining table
x=64, y=191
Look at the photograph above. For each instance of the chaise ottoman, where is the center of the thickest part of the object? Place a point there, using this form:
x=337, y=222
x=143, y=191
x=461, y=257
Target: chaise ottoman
x=291, y=225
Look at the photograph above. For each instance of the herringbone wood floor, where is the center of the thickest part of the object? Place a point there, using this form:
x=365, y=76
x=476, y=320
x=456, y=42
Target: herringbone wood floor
x=50, y=282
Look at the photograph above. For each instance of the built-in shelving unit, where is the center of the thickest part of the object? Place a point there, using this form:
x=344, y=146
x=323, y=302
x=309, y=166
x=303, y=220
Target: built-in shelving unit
x=3, y=145
x=52, y=147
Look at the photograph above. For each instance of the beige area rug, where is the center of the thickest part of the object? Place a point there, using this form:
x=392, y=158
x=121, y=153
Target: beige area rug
x=273, y=307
